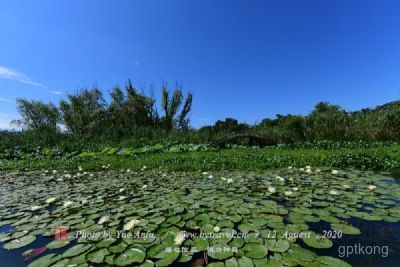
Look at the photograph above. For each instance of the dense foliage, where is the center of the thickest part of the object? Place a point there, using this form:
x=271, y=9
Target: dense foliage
x=85, y=120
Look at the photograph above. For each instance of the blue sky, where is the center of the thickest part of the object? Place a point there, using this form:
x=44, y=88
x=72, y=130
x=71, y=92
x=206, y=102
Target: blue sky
x=242, y=59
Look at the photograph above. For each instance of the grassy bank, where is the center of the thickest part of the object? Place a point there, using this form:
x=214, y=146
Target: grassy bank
x=376, y=158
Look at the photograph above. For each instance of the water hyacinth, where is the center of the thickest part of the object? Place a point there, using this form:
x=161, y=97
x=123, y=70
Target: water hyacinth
x=130, y=224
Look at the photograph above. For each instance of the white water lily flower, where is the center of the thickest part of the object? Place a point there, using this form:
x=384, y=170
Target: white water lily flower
x=144, y=186
x=301, y=169
x=333, y=192
x=271, y=189
x=204, y=173
x=210, y=176
x=54, y=171
x=130, y=224
x=295, y=188
x=335, y=171
x=223, y=178
x=121, y=197
x=33, y=208
x=217, y=229
x=50, y=200
x=80, y=168
x=91, y=175
x=372, y=187
x=346, y=186
x=103, y=219
x=290, y=179
x=290, y=167
x=230, y=180
x=308, y=167
x=280, y=178
x=121, y=190
x=308, y=171
x=128, y=170
x=67, y=175
x=67, y=203
x=288, y=193
x=180, y=238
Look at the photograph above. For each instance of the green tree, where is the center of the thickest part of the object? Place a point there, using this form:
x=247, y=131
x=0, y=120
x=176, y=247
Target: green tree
x=36, y=115
x=84, y=112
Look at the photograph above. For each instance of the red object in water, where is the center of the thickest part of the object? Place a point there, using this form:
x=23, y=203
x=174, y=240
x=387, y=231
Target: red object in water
x=61, y=233
x=35, y=252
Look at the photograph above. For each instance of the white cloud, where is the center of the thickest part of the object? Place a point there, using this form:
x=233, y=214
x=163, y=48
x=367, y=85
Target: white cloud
x=5, y=100
x=12, y=74
x=55, y=92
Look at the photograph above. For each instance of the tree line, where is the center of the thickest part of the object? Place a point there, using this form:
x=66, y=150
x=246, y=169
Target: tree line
x=131, y=114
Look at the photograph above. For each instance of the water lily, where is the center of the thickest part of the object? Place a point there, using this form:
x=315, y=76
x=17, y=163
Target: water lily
x=288, y=193
x=103, y=219
x=271, y=189
x=281, y=179
x=230, y=180
x=128, y=170
x=204, y=173
x=210, y=176
x=121, y=197
x=33, y=208
x=121, y=190
x=371, y=187
x=295, y=188
x=144, y=186
x=80, y=168
x=180, y=238
x=301, y=169
x=308, y=171
x=67, y=203
x=333, y=192
x=130, y=224
x=346, y=186
x=50, y=200
x=335, y=172
x=223, y=178
x=217, y=229
x=290, y=167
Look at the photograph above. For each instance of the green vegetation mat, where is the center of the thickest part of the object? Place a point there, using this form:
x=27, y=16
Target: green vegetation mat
x=264, y=217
